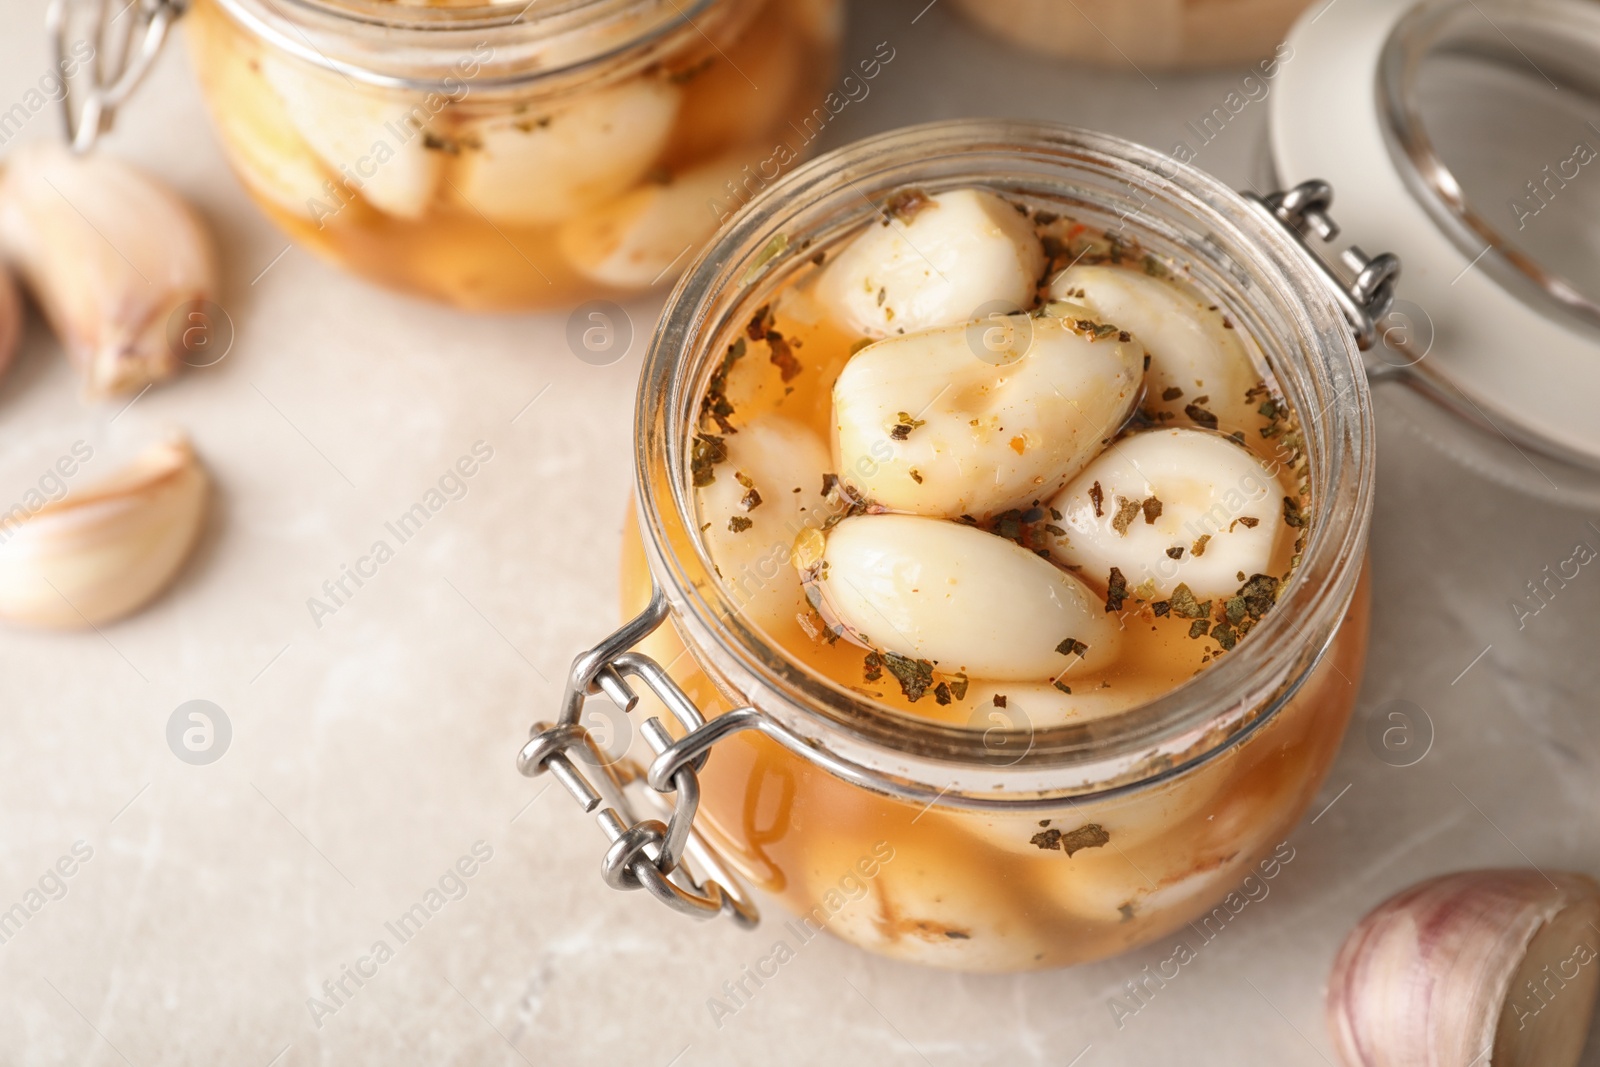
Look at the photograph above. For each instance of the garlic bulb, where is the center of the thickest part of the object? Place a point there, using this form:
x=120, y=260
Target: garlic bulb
x=88, y=558
x=109, y=254
x=1199, y=366
x=1170, y=507
x=967, y=601
x=764, y=494
x=632, y=242
x=936, y=261
x=541, y=168
x=11, y=319
x=1492, y=968
x=928, y=426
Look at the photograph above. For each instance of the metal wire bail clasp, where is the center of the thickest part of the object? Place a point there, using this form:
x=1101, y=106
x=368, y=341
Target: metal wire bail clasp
x=103, y=49
x=1365, y=300
x=644, y=853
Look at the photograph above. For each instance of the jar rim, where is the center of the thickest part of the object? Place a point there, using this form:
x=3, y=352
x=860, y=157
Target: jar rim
x=1320, y=365
x=422, y=48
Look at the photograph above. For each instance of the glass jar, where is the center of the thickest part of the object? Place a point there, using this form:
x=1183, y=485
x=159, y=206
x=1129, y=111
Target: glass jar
x=1147, y=34
x=992, y=845
x=512, y=155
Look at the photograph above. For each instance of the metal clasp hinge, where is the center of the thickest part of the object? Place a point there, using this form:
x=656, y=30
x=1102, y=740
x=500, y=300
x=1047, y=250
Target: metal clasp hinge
x=1366, y=299
x=120, y=54
x=644, y=853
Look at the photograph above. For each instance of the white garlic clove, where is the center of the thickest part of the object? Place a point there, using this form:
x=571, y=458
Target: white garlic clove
x=96, y=556
x=1159, y=492
x=633, y=242
x=1491, y=968
x=750, y=529
x=257, y=135
x=1194, y=357
x=109, y=254
x=11, y=319
x=927, y=426
x=937, y=261
x=967, y=601
x=739, y=96
x=377, y=141
x=1038, y=706
x=542, y=168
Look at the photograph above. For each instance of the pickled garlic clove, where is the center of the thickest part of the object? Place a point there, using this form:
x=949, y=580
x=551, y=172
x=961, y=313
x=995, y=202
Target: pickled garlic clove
x=966, y=601
x=1027, y=706
x=750, y=529
x=257, y=135
x=100, y=554
x=377, y=142
x=927, y=426
x=1490, y=967
x=937, y=261
x=736, y=98
x=1198, y=366
x=542, y=167
x=109, y=254
x=1170, y=507
x=633, y=242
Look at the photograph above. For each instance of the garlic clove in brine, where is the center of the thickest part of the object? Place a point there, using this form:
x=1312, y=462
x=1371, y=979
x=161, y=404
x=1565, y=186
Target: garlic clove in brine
x=936, y=261
x=100, y=554
x=1173, y=506
x=1489, y=968
x=109, y=254
x=943, y=422
x=541, y=167
x=11, y=319
x=965, y=601
x=1200, y=371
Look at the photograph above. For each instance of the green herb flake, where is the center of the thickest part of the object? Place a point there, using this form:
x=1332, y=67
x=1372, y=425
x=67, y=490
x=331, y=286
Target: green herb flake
x=872, y=668
x=1092, y=835
x=739, y=524
x=1059, y=684
x=1292, y=515
x=1072, y=647
x=782, y=356
x=1127, y=511
x=708, y=451
x=1152, y=510
x=1199, y=627
x=1117, y=590
x=1198, y=549
x=1225, y=636
x=1184, y=605
x=1200, y=415
x=1097, y=497
x=1175, y=553
x=1046, y=839
x=914, y=675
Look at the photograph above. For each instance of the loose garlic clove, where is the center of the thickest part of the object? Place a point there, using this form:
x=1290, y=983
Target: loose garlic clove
x=11, y=319
x=538, y=168
x=927, y=426
x=1495, y=968
x=936, y=261
x=750, y=529
x=633, y=242
x=88, y=559
x=1170, y=507
x=109, y=254
x=967, y=601
x=377, y=140
x=1194, y=358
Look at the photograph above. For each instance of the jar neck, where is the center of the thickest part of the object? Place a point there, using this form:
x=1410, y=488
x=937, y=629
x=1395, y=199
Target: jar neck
x=482, y=48
x=1231, y=248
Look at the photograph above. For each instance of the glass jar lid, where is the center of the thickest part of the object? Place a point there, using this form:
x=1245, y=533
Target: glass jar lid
x=1465, y=136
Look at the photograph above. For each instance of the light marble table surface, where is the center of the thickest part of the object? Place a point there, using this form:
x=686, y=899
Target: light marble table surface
x=371, y=753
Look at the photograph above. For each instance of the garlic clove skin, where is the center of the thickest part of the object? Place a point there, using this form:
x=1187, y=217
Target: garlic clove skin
x=968, y=601
x=1456, y=971
x=1207, y=486
x=542, y=169
x=1191, y=351
x=633, y=242
x=983, y=435
x=752, y=546
x=11, y=319
x=960, y=252
x=97, y=556
x=108, y=254
x=376, y=140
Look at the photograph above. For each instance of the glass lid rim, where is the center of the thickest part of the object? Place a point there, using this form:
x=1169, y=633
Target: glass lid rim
x=1321, y=334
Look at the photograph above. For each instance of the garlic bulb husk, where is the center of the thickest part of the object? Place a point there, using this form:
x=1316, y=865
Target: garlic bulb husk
x=966, y=601
x=89, y=558
x=937, y=261
x=936, y=423
x=109, y=254
x=11, y=319
x=1490, y=968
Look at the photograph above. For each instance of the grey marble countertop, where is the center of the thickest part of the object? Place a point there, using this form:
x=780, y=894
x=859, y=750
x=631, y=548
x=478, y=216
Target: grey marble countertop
x=372, y=752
